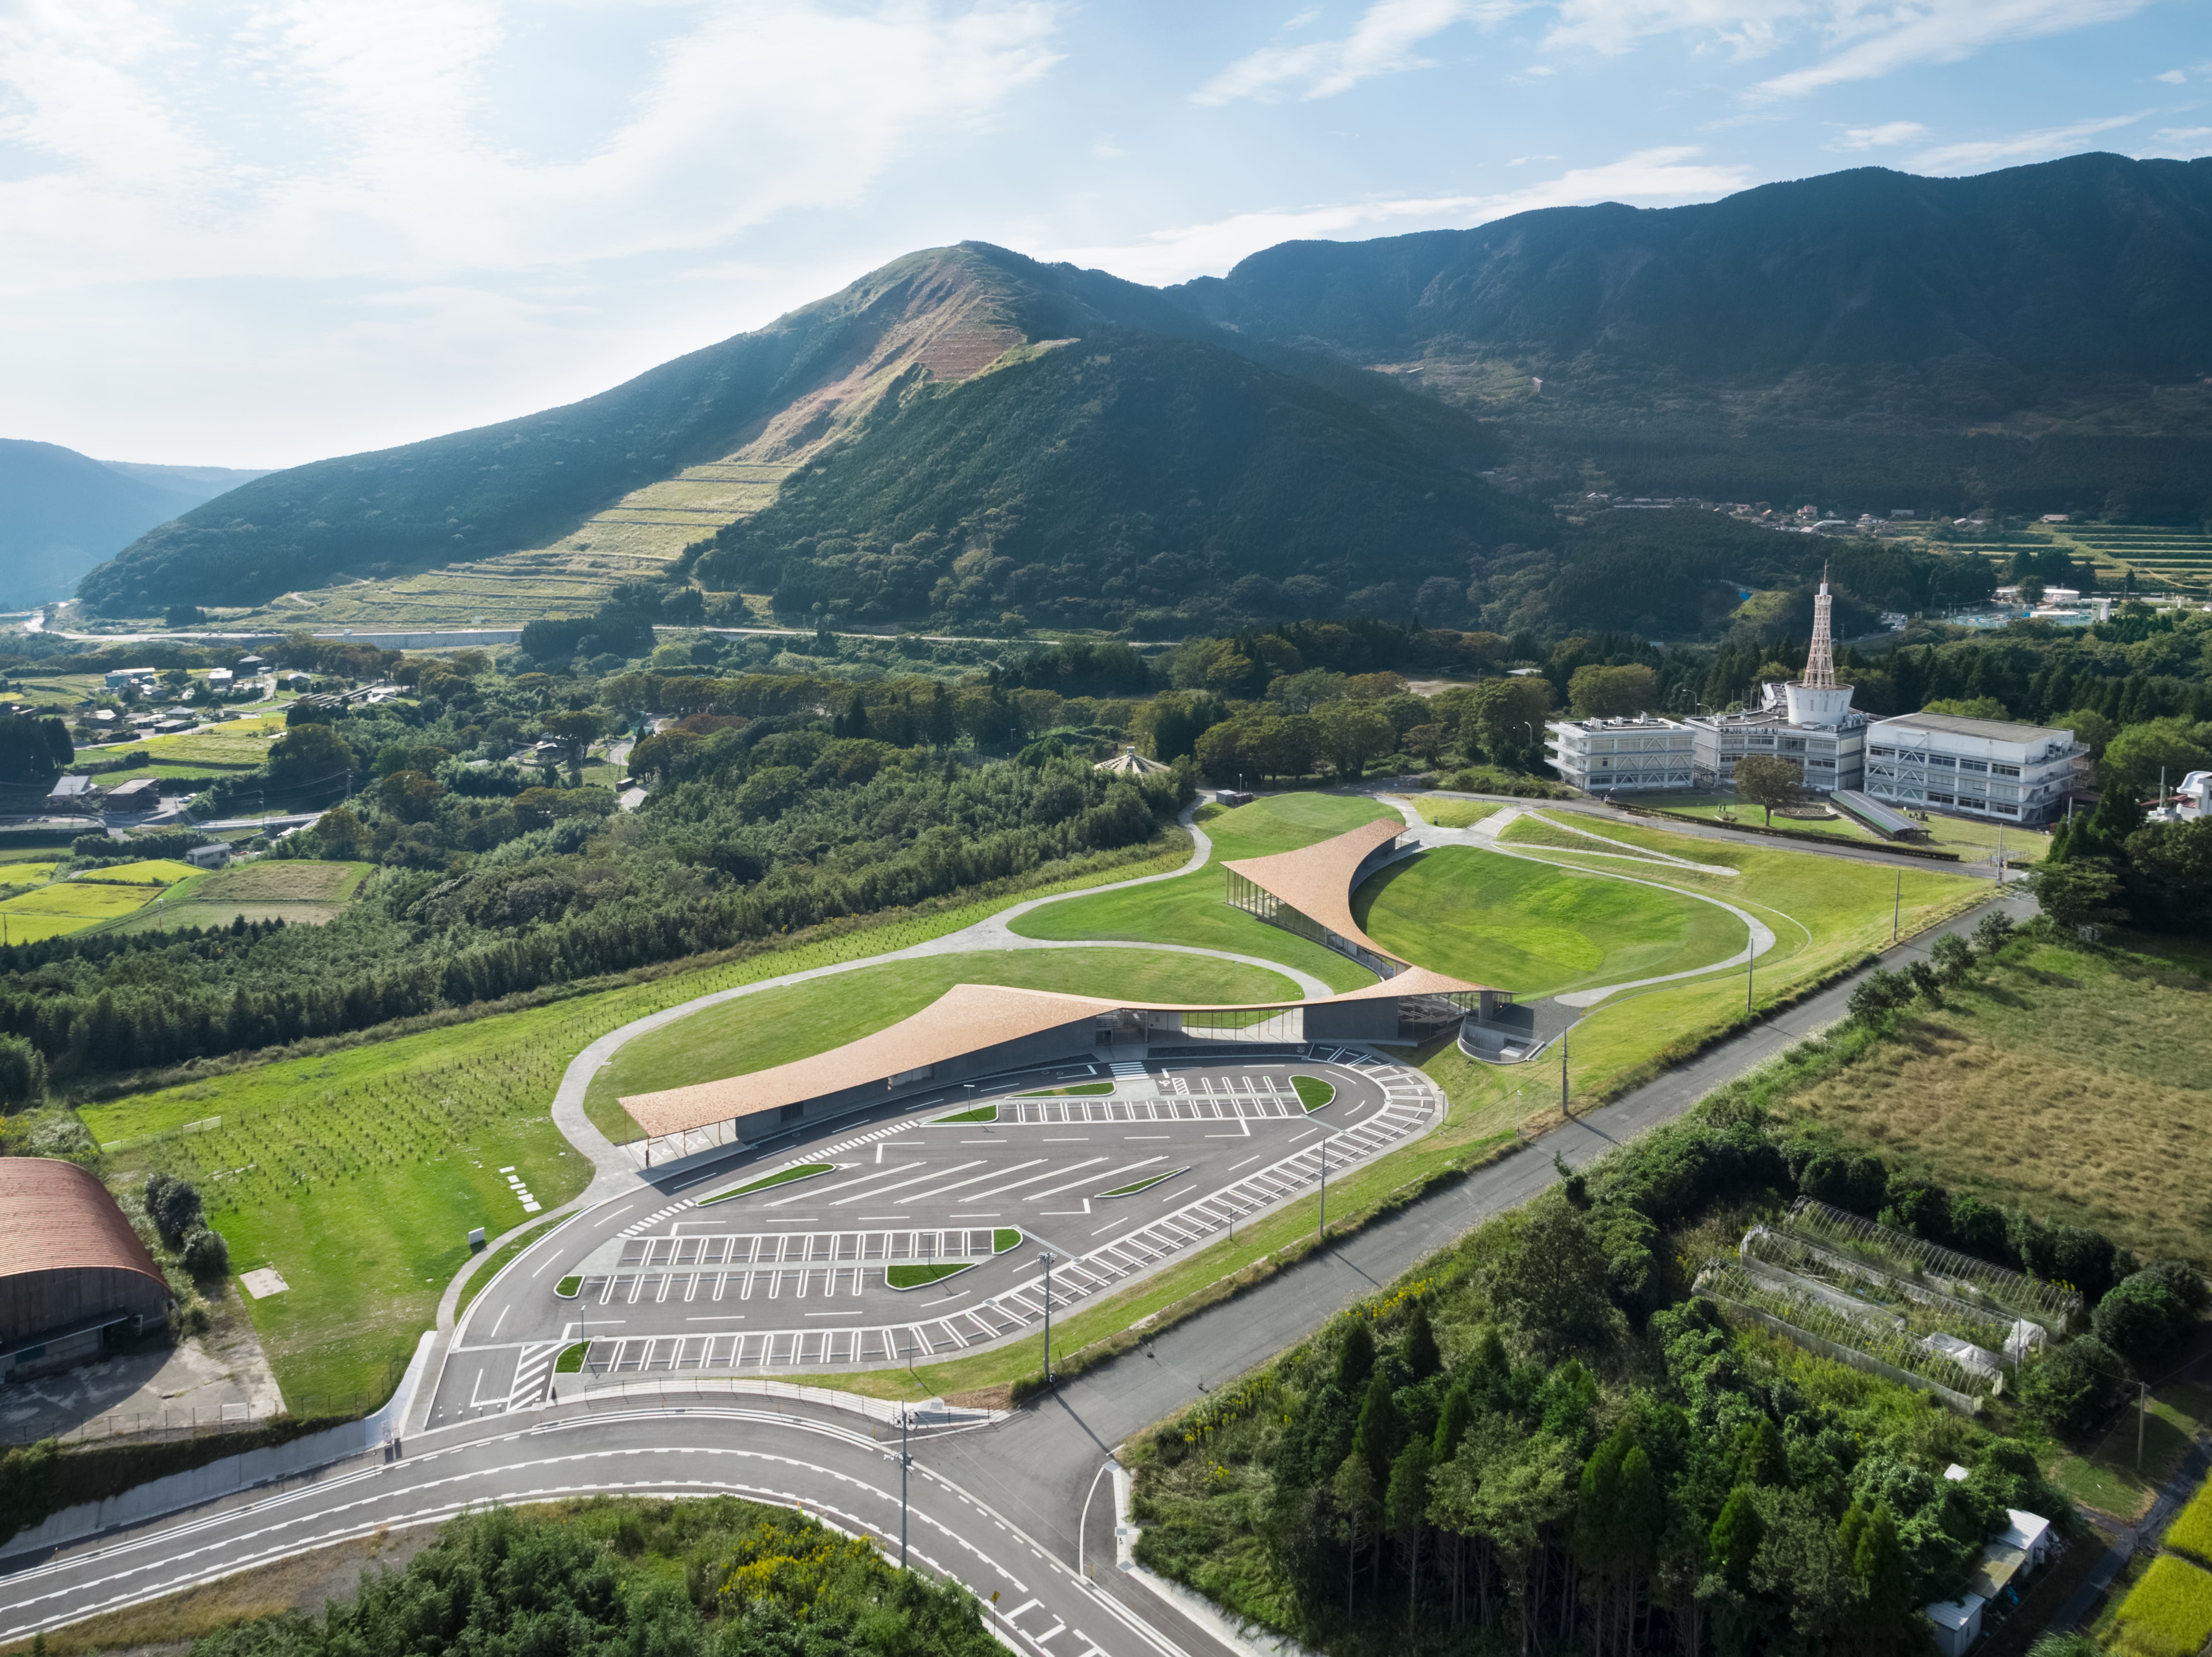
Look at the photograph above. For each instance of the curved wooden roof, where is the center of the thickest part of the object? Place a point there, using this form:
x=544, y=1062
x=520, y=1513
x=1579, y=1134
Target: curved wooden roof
x=61, y=1218
x=1316, y=879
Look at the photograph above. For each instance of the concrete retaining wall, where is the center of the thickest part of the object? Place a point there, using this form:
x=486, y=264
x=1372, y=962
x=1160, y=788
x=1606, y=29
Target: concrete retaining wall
x=232, y=1474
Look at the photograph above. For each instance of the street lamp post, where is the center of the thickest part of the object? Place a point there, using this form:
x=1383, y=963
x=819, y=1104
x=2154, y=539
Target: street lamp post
x=1046, y=1260
x=1321, y=1235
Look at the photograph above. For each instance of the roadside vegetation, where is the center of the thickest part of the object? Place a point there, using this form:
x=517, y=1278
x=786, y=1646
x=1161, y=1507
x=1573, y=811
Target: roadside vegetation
x=720, y=1577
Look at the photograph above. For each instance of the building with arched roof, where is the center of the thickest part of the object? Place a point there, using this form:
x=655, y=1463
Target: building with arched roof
x=975, y=1030
x=74, y=1275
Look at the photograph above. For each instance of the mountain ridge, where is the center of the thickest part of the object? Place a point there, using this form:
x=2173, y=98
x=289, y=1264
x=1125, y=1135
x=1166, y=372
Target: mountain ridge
x=2036, y=338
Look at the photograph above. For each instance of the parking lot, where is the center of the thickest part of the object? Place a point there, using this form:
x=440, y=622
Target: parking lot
x=924, y=1235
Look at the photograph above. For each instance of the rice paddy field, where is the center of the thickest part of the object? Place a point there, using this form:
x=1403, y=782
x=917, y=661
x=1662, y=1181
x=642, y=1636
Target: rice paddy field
x=65, y=906
x=635, y=539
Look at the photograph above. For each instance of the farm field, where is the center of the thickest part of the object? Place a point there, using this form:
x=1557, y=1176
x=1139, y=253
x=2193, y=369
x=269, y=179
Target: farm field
x=2064, y=1078
x=756, y=1031
x=65, y=906
x=637, y=538
x=1498, y=920
x=359, y=1174
x=298, y=891
x=158, y=871
x=2156, y=557
x=1192, y=908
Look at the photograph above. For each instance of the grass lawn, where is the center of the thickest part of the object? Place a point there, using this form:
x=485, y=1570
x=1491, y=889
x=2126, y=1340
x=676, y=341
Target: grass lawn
x=1534, y=929
x=359, y=1174
x=782, y=1176
x=777, y=1026
x=1194, y=910
x=48, y=911
x=914, y=1276
x=1453, y=814
x=1973, y=840
x=2067, y=1081
x=2104, y=1475
x=299, y=890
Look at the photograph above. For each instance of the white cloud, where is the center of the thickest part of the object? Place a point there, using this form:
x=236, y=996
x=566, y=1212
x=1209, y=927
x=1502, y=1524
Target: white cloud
x=1867, y=41
x=1175, y=255
x=2020, y=146
x=1853, y=39
x=1879, y=138
x=1384, y=41
x=289, y=138
x=2172, y=77
x=2183, y=138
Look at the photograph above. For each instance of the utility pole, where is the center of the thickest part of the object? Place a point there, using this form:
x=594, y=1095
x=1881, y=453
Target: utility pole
x=1897, y=907
x=905, y=1462
x=1046, y=1260
x=1563, y=1109
x=1322, y=1236
x=1750, y=964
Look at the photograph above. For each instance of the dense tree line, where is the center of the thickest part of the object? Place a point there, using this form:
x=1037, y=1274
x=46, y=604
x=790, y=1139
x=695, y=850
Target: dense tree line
x=720, y=1578
x=1548, y=1437
x=496, y=879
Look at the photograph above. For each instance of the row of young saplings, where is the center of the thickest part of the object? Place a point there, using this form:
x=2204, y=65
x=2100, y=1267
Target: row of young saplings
x=1882, y=1299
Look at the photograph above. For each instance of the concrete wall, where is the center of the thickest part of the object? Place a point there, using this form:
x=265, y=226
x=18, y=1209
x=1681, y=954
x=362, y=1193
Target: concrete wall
x=1352, y=1020
x=31, y=1301
x=232, y=1474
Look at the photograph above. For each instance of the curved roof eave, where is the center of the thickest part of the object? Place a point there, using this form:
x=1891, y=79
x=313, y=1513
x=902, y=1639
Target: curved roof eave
x=1316, y=879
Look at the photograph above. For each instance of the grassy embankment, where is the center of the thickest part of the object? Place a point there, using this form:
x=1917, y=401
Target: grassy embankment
x=1192, y=910
x=775, y=1027
x=1974, y=841
x=359, y=1172
x=1827, y=915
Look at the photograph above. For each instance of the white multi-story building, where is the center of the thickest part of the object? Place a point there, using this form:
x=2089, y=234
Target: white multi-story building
x=1809, y=722
x=1831, y=757
x=1643, y=755
x=1988, y=768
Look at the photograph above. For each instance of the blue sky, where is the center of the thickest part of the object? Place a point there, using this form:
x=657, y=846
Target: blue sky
x=255, y=234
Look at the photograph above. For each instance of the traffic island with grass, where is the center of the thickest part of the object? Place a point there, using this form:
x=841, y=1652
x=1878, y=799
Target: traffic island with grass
x=920, y=1277
x=569, y=1287
x=1145, y=1184
x=980, y=1113
x=1088, y=1090
x=571, y=1360
x=1313, y=1092
x=781, y=1177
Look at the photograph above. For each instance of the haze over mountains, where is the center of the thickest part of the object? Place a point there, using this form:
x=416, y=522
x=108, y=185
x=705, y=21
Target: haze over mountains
x=62, y=513
x=970, y=435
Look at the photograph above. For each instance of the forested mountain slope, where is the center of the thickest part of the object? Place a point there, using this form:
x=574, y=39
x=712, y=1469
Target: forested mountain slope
x=2037, y=340
x=1128, y=480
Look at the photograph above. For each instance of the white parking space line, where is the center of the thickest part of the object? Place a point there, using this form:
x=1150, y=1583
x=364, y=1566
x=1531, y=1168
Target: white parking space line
x=962, y=1184
x=867, y=1196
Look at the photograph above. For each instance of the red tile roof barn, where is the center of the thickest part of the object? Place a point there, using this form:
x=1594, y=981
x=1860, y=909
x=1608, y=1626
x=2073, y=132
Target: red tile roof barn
x=71, y=1253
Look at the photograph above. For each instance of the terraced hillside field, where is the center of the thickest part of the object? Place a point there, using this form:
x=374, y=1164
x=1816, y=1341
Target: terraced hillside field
x=2152, y=559
x=637, y=538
